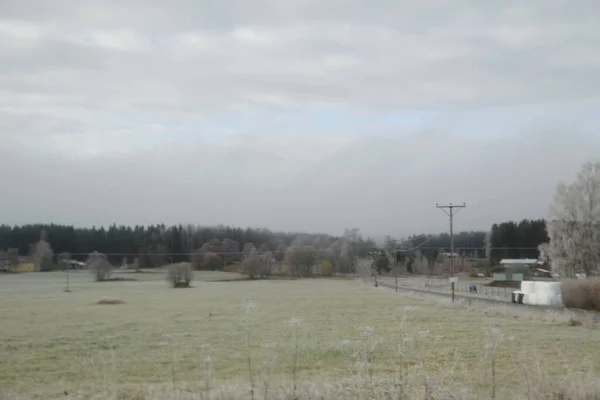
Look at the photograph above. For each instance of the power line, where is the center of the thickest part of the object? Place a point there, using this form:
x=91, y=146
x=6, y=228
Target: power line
x=282, y=252
x=420, y=246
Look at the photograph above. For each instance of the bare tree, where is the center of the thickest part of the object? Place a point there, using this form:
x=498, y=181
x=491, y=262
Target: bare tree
x=255, y=266
x=230, y=248
x=180, y=275
x=43, y=255
x=301, y=259
x=363, y=268
x=544, y=250
x=211, y=262
x=488, y=245
x=389, y=243
x=268, y=260
x=62, y=260
x=13, y=257
x=247, y=249
x=574, y=224
x=99, y=266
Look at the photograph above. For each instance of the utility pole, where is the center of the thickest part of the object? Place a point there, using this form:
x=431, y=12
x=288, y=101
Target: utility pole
x=451, y=210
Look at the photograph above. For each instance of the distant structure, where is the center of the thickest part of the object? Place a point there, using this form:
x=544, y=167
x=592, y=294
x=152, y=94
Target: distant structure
x=519, y=269
x=520, y=262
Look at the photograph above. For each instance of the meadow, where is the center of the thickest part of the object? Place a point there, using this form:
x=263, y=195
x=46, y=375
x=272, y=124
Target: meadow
x=305, y=339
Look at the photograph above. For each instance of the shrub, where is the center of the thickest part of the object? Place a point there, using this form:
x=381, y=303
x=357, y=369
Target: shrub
x=254, y=267
x=325, y=268
x=286, y=269
x=13, y=257
x=382, y=264
x=43, y=256
x=581, y=293
x=211, y=261
x=268, y=261
x=180, y=275
x=197, y=259
x=301, y=259
x=99, y=266
x=110, y=301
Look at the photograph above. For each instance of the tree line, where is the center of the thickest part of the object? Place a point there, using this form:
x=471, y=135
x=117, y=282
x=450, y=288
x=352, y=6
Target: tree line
x=156, y=245
x=517, y=239
x=509, y=239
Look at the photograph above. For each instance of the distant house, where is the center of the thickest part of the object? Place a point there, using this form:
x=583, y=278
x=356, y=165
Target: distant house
x=518, y=269
x=520, y=262
x=73, y=264
x=541, y=273
x=26, y=264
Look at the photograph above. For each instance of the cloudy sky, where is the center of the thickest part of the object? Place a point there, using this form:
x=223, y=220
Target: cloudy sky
x=311, y=115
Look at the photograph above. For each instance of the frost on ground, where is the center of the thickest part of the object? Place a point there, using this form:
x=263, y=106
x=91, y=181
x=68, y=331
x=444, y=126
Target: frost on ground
x=304, y=339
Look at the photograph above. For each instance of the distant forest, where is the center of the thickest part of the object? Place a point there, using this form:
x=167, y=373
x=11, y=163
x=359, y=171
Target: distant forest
x=507, y=240
x=175, y=241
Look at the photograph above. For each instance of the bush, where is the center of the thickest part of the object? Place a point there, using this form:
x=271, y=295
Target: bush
x=254, y=267
x=203, y=260
x=211, y=262
x=110, y=301
x=180, y=275
x=382, y=264
x=43, y=256
x=196, y=259
x=325, y=268
x=13, y=256
x=581, y=293
x=301, y=259
x=286, y=269
x=99, y=266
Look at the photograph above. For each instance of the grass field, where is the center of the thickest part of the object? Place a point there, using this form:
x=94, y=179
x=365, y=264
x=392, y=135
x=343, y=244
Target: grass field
x=213, y=340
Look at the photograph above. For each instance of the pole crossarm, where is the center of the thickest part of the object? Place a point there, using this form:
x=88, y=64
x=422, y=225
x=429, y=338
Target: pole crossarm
x=451, y=210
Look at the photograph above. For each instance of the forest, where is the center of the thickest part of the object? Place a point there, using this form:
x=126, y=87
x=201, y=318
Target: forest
x=508, y=239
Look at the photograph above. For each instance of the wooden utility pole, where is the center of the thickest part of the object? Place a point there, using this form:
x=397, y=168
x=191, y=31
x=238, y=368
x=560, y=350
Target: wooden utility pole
x=451, y=210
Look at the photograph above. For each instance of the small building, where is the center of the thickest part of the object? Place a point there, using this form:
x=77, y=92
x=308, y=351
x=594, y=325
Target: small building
x=74, y=264
x=518, y=269
x=541, y=273
x=26, y=264
x=516, y=262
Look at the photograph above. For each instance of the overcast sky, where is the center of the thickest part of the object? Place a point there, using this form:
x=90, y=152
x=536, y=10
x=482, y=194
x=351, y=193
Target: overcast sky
x=309, y=115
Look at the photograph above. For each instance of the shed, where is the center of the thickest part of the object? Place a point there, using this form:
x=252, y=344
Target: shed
x=519, y=269
x=508, y=263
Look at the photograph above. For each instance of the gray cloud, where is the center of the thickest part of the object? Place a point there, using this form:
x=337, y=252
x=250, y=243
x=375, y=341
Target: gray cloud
x=247, y=112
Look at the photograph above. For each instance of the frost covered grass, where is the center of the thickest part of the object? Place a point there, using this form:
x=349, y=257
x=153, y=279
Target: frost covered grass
x=304, y=339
